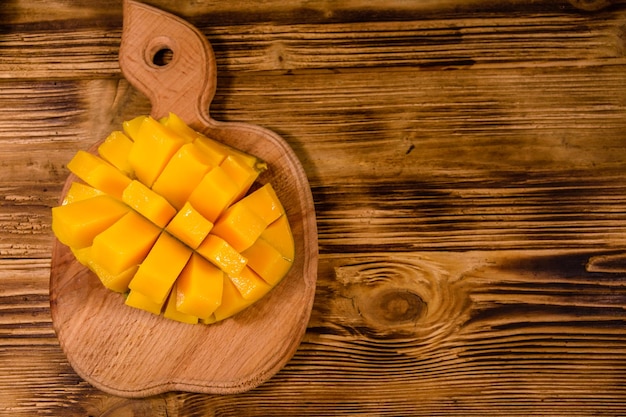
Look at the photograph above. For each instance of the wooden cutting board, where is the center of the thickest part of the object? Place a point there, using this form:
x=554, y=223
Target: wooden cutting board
x=132, y=353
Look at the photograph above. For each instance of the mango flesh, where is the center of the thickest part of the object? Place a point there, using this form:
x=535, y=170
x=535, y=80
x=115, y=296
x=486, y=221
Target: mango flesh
x=189, y=226
x=115, y=150
x=189, y=163
x=152, y=149
x=161, y=267
x=99, y=174
x=78, y=223
x=125, y=243
x=199, y=288
x=148, y=203
x=172, y=219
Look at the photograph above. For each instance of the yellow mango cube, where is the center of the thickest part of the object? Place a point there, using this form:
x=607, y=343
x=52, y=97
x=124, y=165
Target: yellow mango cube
x=82, y=255
x=278, y=234
x=222, y=255
x=178, y=125
x=148, y=203
x=210, y=320
x=266, y=261
x=125, y=243
x=182, y=174
x=212, y=150
x=241, y=173
x=160, y=268
x=239, y=226
x=115, y=282
x=189, y=226
x=214, y=193
x=77, y=224
x=173, y=314
x=79, y=191
x=219, y=148
x=232, y=301
x=131, y=127
x=250, y=285
x=199, y=288
x=115, y=150
x=98, y=173
x=265, y=203
x=152, y=149
x=138, y=300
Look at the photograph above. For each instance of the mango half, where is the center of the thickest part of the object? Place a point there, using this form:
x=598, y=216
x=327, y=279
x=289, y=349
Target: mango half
x=176, y=221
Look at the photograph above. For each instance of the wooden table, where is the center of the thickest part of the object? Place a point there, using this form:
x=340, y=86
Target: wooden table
x=468, y=164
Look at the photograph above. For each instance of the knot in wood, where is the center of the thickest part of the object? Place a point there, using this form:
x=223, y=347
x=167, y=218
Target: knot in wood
x=396, y=306
x=399, y=295
x=590, y=5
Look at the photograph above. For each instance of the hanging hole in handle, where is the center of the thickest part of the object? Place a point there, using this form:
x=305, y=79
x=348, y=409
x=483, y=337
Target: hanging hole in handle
x=160, y=52
x=162, y=57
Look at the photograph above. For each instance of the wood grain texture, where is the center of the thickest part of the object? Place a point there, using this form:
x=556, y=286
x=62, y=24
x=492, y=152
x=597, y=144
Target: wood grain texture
x=467, y=166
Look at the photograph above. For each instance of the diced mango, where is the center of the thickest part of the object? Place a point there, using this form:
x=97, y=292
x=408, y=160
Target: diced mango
x=211, y=149
x=178, y=125
x=148, y=203
x=278, y=234
x=138, y=300
x=188, y=163
x=199, y=288
x=82, y=255
x=265, y=203
x=222, y=255
x=219, y=148
x=115, y=150
x=77, y=224
x=241, y=173
x=131, y=127
x=250, y=285
x=115, y=282
x=153, y=147
x=210, y=320
x=232, y=301
x=160, y=268
x=98, y=173
x=173, y=314
x=213, y=194
x=125, y=243
x=266, y=261
x=189, y=226
x=79, y=191
x=176, y=225
x=239, y=226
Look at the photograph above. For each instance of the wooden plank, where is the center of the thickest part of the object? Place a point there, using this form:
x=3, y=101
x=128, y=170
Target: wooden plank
x=500, y=159
x=467, y=164
x=420, y=333
x=44, y=124
x=506, y=39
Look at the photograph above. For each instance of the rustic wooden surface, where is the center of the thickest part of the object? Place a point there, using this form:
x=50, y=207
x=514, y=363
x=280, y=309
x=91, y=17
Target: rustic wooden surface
x=468, y=165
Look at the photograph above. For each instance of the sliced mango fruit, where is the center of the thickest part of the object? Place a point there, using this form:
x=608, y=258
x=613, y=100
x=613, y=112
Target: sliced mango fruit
x=148, y=203
x=115, y=150
x=76, y=224
x=98, y=173
x=153, y=146
x=199, y=288
x=161, y=267
x=172, y=219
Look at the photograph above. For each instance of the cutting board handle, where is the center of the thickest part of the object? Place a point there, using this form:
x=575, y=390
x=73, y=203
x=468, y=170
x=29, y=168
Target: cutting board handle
x=169, y=61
